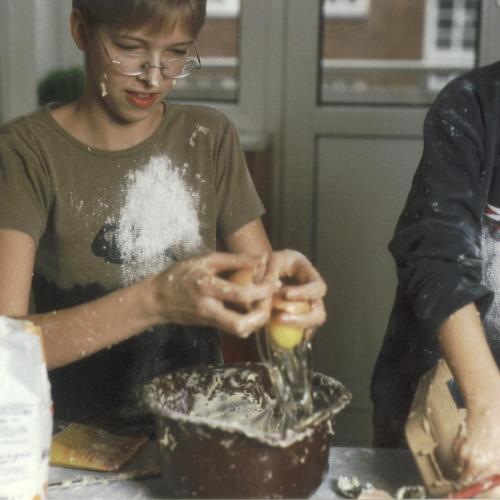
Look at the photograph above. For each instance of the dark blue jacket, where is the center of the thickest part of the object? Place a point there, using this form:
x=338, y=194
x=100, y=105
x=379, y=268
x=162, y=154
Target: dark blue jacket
x=445, y=245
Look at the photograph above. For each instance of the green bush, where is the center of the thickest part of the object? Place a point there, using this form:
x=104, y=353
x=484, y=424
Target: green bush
x=61, y=85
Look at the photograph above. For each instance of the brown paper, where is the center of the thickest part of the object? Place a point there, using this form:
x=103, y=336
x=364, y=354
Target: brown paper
x=431, y=429
x=82, y=446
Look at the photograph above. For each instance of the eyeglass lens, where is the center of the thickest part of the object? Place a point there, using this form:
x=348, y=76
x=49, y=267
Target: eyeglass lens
x=174, y=67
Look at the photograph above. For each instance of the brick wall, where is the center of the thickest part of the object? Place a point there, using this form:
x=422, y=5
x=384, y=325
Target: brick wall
x=219, y=37
x=392, y=30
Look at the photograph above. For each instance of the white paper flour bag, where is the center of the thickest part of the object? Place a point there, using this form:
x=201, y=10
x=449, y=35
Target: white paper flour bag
x=25, y=412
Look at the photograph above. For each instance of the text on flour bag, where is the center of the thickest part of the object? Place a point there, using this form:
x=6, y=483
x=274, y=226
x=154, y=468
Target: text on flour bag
x=25, y=412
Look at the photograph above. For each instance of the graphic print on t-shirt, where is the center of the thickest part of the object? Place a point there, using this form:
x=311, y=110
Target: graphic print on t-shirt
x=106, y=245
x=157, y=223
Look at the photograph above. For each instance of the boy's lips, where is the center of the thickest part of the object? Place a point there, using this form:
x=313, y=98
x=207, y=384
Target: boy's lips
x=141, y=100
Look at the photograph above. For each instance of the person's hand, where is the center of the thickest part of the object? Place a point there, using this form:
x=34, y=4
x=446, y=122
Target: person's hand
x=193, y=292
x=477, y=446
x=300, y=282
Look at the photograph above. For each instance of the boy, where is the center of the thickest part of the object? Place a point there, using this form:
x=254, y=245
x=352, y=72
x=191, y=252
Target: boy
x=115, y=202
x=447, y=254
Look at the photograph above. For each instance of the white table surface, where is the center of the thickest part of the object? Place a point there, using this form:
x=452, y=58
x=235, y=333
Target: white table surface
x=383, y=468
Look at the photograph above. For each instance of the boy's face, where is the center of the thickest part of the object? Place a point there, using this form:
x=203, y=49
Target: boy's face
x=111, y=53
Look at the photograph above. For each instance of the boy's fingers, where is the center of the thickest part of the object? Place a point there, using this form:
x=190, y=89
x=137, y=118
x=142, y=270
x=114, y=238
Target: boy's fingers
x=228, y=291
x=241, y=325
x=291, y=264
x=313, y=290
x=219, y=262
x=315, y=317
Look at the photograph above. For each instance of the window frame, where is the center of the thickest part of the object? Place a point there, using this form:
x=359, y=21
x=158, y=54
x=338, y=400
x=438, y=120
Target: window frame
x=346, y=8
x=261, y=28
x=17, y=59
x=433, y=69
x=223, y=8
x=431, y=50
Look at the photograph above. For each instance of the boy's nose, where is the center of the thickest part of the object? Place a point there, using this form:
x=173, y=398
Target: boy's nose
x=151, y=76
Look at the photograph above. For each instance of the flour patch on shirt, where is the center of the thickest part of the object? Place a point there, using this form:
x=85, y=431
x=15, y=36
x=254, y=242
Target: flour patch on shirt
x=198, y=129
x=158, y=220
x=78, y=205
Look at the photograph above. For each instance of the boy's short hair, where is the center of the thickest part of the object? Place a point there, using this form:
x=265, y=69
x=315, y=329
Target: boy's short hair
x=155, y=15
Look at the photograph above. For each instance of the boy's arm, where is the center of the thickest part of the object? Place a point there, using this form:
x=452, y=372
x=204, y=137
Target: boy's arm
x=250, y=238
x=465, y=348
x=17, y=258
x=72, y=333
x=189, y=292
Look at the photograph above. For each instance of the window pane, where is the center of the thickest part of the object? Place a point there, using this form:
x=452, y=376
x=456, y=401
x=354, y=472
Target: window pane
x=394, y=51
x=218, y=79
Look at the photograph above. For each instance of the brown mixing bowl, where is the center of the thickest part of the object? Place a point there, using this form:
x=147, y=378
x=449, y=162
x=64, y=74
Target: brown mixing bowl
x=232, y=449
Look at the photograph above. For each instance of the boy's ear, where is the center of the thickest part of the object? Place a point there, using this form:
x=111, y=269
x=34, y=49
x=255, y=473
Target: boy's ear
x=78, y=31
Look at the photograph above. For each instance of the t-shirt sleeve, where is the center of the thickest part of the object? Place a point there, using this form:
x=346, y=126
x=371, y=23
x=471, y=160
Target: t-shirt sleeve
x=437, y=242
x=24, y=187
x=236, y=197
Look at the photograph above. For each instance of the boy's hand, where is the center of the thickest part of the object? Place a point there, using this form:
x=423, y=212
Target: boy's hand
x=302, y=283
x=192, y=292
x=465, y=348
x=478, y=446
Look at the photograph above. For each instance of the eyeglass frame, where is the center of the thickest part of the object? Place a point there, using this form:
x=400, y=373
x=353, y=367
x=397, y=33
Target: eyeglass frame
x=149, y=66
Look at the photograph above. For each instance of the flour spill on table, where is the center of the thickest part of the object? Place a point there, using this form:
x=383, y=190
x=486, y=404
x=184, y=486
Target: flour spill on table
x=158, y=220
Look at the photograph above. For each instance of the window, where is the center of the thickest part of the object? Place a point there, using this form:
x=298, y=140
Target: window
x=401, y=52
x=451, y=30
x=346, y=8
x=450, y=36
x=223, y=8
x=218, y=43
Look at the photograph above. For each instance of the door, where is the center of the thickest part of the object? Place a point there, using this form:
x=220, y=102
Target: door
x=359, y=77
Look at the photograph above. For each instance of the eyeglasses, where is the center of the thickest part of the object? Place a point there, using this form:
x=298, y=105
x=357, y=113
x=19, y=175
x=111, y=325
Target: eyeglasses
x=129, y=63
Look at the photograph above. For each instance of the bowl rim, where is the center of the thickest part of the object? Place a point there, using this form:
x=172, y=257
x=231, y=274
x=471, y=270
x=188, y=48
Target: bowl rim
x=306, y=428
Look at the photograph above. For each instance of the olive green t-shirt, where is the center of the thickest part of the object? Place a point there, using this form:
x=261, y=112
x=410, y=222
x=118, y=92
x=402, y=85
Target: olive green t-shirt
x=105, y=219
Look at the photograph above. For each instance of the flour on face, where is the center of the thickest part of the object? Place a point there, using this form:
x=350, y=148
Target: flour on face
x=158, y=219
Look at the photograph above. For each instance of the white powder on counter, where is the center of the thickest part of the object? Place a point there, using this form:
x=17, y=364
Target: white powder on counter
x=158, y=219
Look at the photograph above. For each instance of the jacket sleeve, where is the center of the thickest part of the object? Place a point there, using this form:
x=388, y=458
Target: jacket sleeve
x=437, y=242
